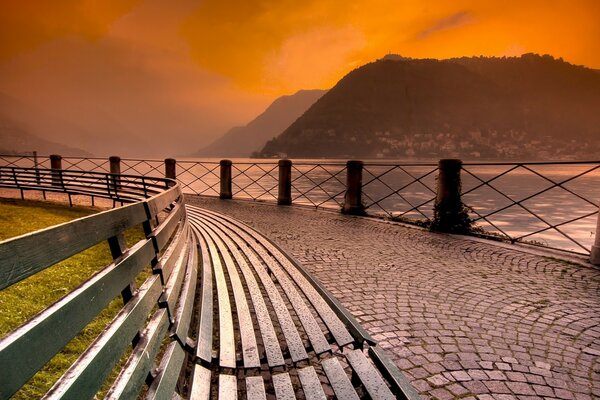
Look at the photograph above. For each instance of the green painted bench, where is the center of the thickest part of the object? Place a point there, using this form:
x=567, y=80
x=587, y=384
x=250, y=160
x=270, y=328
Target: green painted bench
x=153, y=322
x=224, y=312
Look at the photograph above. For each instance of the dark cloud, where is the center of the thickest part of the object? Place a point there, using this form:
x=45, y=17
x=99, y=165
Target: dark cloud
x=453, y=21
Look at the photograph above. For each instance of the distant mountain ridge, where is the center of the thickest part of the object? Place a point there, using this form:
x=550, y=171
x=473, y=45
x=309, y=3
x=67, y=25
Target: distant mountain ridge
x=19, y=128
x=243, y=141
x=528, y=107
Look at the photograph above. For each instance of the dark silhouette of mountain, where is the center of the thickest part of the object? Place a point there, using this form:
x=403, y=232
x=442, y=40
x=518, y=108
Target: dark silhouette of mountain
x=243, y=141
x=528, y=107
x=22, y=126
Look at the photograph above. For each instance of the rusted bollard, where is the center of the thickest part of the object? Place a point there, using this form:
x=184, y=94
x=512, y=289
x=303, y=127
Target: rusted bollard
x=56, y=166
x=449, y=211
x=115, y=170
x=595, y=253
x=225, y=192
x=170, y=169
x=353, y=199
x=284, y=197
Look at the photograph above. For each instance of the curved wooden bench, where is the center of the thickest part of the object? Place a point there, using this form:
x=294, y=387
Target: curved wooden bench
x=154, y=319
x=267, y=327
x=224, y=313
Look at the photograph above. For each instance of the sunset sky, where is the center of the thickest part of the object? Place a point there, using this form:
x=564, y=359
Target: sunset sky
x=190, y=70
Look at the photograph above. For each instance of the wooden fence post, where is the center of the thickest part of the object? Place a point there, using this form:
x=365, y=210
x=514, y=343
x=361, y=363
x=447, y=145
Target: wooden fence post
x=449, y=213
x=284, y=197
x=595, y=253
x=171, y=168
x=56, y=166
x=225, y=179
x=353, y=199
x=115, y=170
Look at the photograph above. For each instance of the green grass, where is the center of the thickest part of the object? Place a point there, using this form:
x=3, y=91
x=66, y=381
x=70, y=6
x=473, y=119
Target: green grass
x=20, y=302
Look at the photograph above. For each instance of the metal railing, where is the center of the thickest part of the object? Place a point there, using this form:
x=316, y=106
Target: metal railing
x=550, y=204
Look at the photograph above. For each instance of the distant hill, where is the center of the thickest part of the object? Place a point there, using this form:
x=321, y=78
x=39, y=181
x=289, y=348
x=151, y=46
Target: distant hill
x=21, y=128
x=528, y=107
x=243, y=141
x=16, y=140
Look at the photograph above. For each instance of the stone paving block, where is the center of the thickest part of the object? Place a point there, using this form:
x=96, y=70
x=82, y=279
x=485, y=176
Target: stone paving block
x=521, y=388
x=462, y=305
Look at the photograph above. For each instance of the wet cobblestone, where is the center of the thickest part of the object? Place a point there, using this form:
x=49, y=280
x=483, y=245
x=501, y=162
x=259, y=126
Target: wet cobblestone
x=461, y=318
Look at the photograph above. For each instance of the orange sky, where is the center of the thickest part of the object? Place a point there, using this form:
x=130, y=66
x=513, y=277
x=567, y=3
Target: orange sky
x=193, y=69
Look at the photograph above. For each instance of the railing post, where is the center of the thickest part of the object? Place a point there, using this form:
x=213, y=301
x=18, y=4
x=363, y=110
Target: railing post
x=225, y=179
x=595, y=253
x=36, y=166
x=284, y=197
x=171, y=168
x=115, y=170
x=449, y=212
x=56, y=166
x=353, y=199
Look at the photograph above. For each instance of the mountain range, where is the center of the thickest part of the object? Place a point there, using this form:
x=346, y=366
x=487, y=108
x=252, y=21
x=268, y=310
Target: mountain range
x=244, y=140
x=22, y=128
x=527, y=107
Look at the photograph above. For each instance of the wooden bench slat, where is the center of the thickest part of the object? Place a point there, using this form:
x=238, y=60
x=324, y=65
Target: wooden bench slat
x=204, y=346
x=85, y=377
x=368, y=375
x=226, y=338
x=172, y=287
x=283, y=386
x=255, y=388
x=245, y=324
x=165, y=230
x=200, y=385
x=167, y=260
x=163, y=385
x=292, y=337
x=29, y=347
x=333, y=322
x=133, y=375
x=162, y=200
x=227, y=387
x=393, y=374
x=311, y=385
x=342, y=387
x=267, y=331
x=183, y=314
x=311, y=327
x=23, y=256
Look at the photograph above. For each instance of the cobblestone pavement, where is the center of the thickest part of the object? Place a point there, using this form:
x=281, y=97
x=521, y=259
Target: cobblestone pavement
x=461, y=318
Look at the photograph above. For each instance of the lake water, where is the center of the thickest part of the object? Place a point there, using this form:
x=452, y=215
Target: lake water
x=408, y=191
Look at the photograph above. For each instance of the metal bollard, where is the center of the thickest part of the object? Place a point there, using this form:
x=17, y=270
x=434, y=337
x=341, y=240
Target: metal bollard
x=225, y=192
x=56, y=166
x=595, y=253
x=171, y=168
x=353, y=199
x=284, y=197
x=115, y=170
x=449, y=212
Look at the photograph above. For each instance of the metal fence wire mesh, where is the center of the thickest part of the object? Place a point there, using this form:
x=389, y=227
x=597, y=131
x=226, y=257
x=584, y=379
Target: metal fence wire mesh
x=201, y=178
x=84, y=164
x=400, y=191
x=549, y=204
x=319, y=185
x=256, y=181
x=554, y=205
